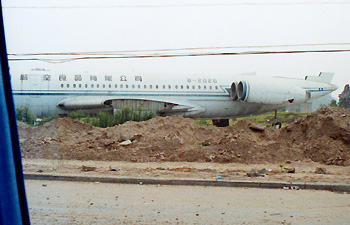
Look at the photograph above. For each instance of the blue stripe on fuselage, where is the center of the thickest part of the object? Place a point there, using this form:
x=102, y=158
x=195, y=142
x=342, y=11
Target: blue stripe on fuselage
x=103, y=93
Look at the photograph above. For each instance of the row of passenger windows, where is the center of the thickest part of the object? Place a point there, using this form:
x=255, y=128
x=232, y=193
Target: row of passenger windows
x=133, y=86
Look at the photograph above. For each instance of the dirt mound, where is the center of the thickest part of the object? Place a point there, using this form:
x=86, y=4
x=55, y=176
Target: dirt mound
x=323, y=136
x=39, y=142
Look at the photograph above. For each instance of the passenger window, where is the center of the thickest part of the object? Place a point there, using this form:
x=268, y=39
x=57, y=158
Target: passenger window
x=67, y=85
x=156, y=86
x=110, y=86
x=86, y=85
x=62, y=85
x=104, y=86
x=92, y=86
x=74, y=85
x=115, y=86
x=133, y=86
x=97, y=85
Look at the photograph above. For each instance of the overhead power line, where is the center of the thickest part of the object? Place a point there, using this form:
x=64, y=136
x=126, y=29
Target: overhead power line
x=179, y=55
x=174, y=49
x=257, y=3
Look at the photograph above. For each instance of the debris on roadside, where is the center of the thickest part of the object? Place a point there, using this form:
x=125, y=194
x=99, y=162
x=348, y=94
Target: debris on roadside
x=321, y=170
x=87, y=168
x=257, y=173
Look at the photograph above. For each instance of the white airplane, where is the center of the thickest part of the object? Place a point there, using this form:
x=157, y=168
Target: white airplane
x=211, y=97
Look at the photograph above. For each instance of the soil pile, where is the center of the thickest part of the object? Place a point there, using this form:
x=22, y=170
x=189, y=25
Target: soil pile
x=323, y=136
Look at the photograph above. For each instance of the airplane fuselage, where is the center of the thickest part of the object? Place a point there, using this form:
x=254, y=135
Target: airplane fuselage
x=47, y=93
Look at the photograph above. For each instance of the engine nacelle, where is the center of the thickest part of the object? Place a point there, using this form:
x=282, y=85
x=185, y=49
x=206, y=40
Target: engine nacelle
x=234, y=91
x=84, y=103
x=268, y=92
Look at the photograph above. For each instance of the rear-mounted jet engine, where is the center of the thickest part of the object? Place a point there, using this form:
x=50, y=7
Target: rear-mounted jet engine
x=267, y=92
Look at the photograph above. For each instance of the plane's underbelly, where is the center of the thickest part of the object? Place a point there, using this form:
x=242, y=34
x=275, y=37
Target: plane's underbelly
x=226, y=108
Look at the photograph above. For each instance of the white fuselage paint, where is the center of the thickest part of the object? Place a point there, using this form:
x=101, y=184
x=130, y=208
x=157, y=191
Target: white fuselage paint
x=196, y=96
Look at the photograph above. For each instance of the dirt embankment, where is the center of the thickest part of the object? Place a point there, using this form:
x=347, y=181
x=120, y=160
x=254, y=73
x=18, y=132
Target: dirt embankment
x=323, y=136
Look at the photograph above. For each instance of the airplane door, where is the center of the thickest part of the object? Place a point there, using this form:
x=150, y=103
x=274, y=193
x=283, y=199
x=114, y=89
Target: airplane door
x=35, y=82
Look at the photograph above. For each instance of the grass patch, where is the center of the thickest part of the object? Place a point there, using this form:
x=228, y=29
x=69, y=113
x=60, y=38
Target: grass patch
x=102, y=119
x=267, y=119
x=264, y=119
x=105, y=119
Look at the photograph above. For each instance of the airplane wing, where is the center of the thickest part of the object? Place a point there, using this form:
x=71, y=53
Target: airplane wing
x=161, y=106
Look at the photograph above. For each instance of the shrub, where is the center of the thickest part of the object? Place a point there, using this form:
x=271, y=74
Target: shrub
x=25, y=115
x=77, y=115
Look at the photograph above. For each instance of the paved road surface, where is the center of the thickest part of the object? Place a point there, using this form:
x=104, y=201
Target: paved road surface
x=52, y=202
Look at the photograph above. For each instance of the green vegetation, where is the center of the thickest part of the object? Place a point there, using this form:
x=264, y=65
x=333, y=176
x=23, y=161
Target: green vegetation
x=267, y=119
x=77, y=115
x=264, y=119
x=204, y=122
x=105, y=119
x=334, y=103
x=102, y=119
x=44, y=120
x=25, y=115
x=206, y=143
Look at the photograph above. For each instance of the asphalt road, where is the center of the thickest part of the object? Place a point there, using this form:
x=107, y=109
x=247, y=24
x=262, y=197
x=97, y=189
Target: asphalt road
x=54, y=202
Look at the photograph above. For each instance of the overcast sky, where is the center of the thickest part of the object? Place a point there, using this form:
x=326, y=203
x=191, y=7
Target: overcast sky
x=89, y=26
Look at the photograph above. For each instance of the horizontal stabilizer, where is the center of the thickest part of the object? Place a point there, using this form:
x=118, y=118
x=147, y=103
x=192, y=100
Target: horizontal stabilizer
x=322, y=77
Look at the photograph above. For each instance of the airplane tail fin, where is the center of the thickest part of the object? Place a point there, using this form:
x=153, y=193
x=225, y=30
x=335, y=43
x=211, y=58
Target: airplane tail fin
x=322, y=77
